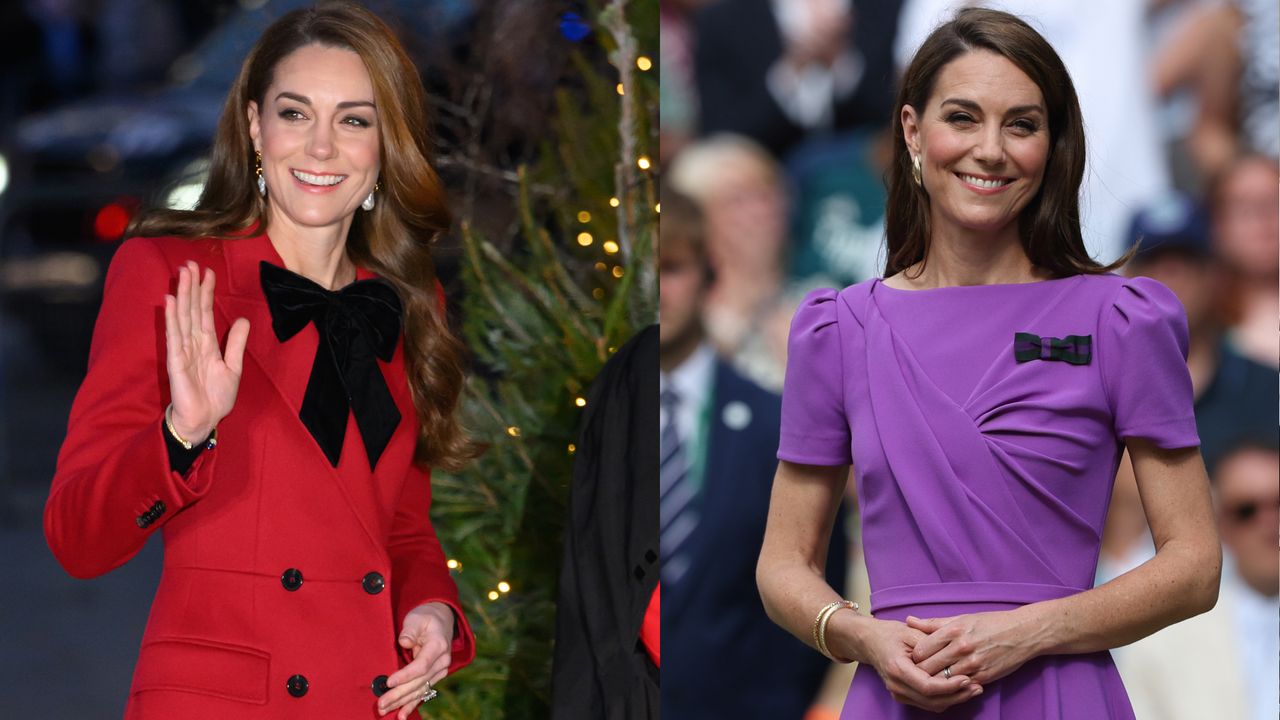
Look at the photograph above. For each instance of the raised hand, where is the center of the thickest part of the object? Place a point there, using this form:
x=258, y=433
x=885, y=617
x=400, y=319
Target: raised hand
x=428, y=632
x=202, y=380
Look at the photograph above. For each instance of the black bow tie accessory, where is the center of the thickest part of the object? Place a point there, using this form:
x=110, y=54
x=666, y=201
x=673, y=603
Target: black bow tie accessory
x=1073, y=349
x=357, y=325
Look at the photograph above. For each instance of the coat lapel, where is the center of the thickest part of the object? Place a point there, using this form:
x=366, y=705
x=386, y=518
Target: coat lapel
x=287, y=367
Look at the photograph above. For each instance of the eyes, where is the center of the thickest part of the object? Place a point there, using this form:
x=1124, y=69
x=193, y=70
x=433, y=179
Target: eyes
x=294, y=115
x=1021, y=126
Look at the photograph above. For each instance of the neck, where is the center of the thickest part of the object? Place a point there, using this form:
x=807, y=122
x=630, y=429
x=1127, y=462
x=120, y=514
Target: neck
x=974, y=258
x=318, y=254
x=672, y=354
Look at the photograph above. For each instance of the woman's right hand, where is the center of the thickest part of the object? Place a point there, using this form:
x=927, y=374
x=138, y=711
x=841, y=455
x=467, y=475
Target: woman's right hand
x=202, y=380
x=886, y=645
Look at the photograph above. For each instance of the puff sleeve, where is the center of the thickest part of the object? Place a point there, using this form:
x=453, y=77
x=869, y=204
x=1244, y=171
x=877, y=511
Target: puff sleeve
x=815, y=428
x=1142, y=354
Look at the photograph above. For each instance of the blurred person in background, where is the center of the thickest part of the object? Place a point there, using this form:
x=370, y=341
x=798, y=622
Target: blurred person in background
x=779, y=70
x=724, y=658
x=983, y=392
x=302, y=575
x=1224, y=664
x=1245, y=211
x=740, y=191
x=679, y=110
x=1235, y=397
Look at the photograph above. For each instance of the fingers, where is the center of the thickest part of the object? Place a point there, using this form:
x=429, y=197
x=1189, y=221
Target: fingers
x=409, y=672
x=936, y=639
x=923, y=683
x=936, y=703
x=236, y=341
x=206, y=303
x=182, y=309
x=405, y=696
x=193, y=301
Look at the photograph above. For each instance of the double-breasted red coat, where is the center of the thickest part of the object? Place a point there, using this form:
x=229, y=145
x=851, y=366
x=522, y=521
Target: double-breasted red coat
x=286, y=580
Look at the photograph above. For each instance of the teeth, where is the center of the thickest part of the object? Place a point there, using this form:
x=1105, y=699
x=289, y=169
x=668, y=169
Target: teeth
x=984, y=183
x=310, y=179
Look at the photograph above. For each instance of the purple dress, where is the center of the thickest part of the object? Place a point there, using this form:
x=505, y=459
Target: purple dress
x=983, y=465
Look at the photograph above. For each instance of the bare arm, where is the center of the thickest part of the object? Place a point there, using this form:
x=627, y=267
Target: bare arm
x=1179, y=582
x=802, y=512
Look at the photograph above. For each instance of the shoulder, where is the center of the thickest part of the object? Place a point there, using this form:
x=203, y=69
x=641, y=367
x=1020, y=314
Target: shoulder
x=820, y=307
x=168, y=250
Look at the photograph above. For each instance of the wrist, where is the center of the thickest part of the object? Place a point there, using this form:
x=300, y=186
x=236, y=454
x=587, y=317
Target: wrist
x=848, y=635
x=187, y=433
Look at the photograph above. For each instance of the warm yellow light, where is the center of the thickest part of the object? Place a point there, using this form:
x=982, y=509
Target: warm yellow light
x=453, y=564
x=612, y=349
x=657, y=208
x=643, y=162
x=643, y=63
x=621, y=91
x=493, y=594
x=504, y=587
x=572, y=448
x=610, y=247
x=617, y=271
x=579, y=401
x=598, y=293
x=601, y=266
x=613, y=202
x=513, y=431
x=584, y=216
x=584, y=239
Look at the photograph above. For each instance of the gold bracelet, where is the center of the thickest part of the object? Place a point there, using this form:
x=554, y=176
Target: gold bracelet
x=210, y=443
x=820, y=626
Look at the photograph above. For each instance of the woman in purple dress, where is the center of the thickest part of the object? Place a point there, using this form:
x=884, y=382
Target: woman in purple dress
x=983, y=393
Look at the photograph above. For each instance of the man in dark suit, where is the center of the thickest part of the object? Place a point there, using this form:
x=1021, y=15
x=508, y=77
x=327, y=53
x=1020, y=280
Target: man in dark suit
x=777, y=70
x=719, y=433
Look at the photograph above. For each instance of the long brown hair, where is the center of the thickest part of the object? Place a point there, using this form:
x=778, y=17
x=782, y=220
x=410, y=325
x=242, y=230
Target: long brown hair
x=394, y=239
x=1049, y=225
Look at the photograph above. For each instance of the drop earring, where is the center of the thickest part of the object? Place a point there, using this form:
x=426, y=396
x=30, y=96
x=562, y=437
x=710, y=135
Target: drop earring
x=369, y=201
x=262, y=181
x=915, y=169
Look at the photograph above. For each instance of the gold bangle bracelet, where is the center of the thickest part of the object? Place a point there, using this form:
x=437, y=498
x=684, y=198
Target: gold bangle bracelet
x=210, y=442
x=821, y=631
x=818, y=620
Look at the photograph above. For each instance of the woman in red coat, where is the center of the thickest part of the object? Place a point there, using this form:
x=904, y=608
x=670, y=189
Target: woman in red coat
x=287, y=468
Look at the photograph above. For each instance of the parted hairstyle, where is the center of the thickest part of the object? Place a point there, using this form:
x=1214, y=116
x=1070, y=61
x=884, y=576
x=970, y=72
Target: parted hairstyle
x=1049, y=225
x=393, y=240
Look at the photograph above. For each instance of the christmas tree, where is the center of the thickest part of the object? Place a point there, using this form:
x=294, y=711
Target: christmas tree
x=542, y=312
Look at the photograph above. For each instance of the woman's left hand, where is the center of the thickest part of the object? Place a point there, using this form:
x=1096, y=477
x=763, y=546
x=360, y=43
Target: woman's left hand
x=983, y=646
x=428, y=632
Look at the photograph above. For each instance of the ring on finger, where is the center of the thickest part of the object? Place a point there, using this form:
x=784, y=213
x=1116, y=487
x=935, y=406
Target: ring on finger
x=429, y=693
x=946, y=672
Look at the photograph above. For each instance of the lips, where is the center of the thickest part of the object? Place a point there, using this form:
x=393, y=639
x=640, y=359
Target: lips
x=318, y=180
x=985, y=183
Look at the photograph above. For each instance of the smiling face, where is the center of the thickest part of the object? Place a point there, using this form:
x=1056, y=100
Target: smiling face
x=983, y=143
x=317, y=131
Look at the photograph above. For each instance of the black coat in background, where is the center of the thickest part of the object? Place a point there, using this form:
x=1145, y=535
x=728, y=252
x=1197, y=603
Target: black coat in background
x=610, y=569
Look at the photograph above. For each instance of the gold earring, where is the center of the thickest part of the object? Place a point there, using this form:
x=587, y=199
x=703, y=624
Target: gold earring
x=262, y=181
x=915, y=169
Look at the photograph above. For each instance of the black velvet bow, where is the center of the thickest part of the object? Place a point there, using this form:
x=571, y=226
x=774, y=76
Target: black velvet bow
x=357, y=324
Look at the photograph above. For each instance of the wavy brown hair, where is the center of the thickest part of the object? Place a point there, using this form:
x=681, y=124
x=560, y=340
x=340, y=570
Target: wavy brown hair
x=394, y=239
x=1049, y=225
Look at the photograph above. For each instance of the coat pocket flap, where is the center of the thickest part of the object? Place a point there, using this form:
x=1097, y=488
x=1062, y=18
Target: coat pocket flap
x=201, y=666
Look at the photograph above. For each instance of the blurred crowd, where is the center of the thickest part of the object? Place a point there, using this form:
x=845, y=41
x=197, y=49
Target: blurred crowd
x=775, y=119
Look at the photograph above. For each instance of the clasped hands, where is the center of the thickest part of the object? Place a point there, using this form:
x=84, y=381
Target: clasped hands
x=978, y=648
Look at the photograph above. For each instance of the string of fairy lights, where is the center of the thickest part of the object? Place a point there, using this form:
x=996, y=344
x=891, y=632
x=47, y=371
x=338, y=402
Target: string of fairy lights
x=610, y=248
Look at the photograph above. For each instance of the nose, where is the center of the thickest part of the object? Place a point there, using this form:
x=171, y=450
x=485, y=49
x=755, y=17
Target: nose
x=320, y=144
x=989, y=147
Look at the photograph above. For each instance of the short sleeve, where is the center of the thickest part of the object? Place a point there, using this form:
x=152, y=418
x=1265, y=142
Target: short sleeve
x=815, y=429
x=1142, y=353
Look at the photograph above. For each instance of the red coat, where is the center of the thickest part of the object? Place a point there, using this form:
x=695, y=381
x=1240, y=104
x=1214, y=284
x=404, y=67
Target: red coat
x=226, y=633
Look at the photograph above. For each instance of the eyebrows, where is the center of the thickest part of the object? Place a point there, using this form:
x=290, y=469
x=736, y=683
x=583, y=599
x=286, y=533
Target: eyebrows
x=975, y=107
x=341, y=106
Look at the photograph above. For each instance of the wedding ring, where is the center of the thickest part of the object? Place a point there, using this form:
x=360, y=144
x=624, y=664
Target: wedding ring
x=429, y=694
x=946, y=672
